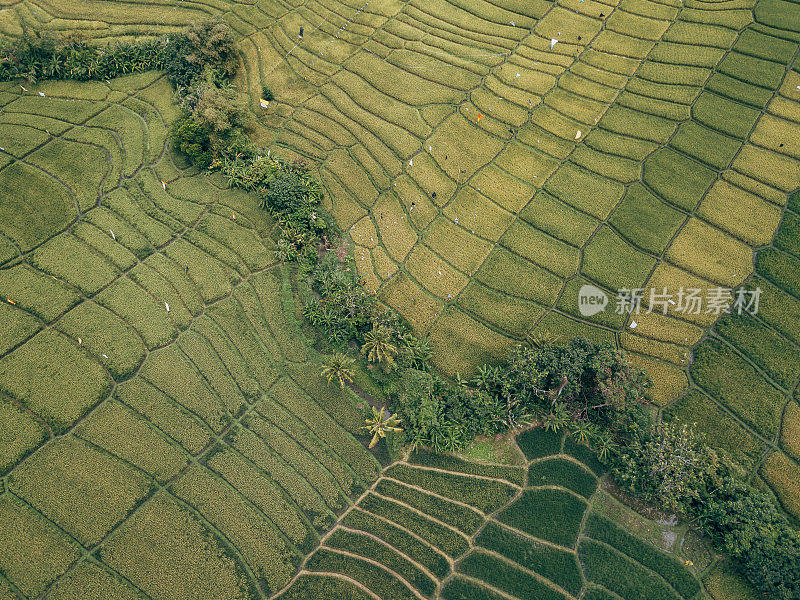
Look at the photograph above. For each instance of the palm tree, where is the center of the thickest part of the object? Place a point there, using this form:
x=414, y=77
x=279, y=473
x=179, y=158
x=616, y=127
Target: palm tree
x=605, y=446
x=339, y=367
x=582, y=431
x=380, y=423
x=378, y=346
x=557, y=419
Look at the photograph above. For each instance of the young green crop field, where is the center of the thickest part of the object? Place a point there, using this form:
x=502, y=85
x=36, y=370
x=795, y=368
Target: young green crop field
x=165, y=433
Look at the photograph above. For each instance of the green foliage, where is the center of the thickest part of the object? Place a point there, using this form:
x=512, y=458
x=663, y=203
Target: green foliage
x=340, y=368
x=442, y=415
x=381, y=423
x=205, y=45
x=594, y=381
x=288, y=192
x=37, y=56
x=266, y=94
x=747, y=525
x=669, y=466
x=193, y=139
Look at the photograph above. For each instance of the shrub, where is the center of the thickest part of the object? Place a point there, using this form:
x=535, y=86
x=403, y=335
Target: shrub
x=266, y=94
x=594, y=381
x=36, y=56
x=206, y=45
x=669, y=466
x=192, y=139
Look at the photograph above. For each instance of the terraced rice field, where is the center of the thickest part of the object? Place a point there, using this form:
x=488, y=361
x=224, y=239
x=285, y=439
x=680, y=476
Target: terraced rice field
x=165, y=433
x=440, y=527
x=484, y=175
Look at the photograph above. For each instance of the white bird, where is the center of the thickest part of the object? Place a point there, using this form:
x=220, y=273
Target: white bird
x=167, y=305
x=42, y=94
x=553, y=42
x=633, y=325
x=578, y=135
x=105, y=356
x=24, y=89
x=411, y=162
x=112, y=234
x=263, y=105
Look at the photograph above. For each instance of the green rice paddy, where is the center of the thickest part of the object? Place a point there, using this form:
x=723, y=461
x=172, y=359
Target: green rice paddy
x=165, y=433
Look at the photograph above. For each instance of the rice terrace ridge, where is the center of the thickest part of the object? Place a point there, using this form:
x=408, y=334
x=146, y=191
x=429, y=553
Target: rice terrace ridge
x=399, y=299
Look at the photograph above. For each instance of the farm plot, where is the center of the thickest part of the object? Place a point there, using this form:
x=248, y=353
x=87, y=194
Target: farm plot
x=436, y=526
x=165, y=434
x=533, y=147
x=484, y=156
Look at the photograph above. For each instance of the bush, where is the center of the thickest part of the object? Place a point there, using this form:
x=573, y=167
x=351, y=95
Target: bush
x=266, y=94
x=671, y=467
x=594, y=381
x=37, y=56
x=441, y=415
x=206, y=45
x=192, y=139
x=668, y=466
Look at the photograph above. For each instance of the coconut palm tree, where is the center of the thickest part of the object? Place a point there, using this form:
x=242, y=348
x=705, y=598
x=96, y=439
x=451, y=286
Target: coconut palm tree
x=557, y=419
x=378, y=347
x=582, y=431
x=381, y=423
x=605, y=446
x=340, y=368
